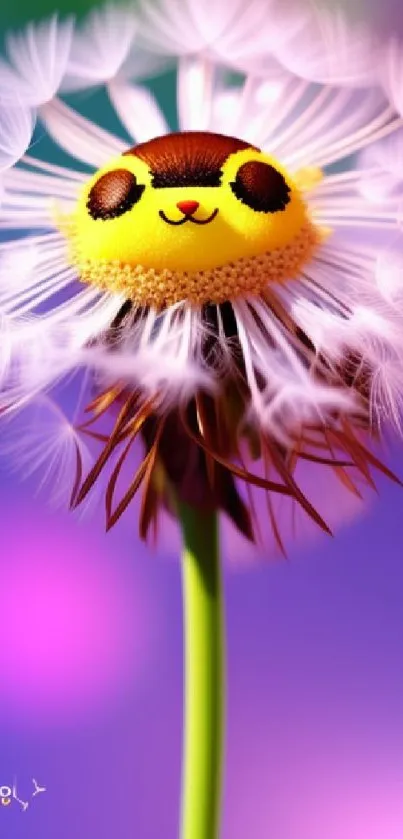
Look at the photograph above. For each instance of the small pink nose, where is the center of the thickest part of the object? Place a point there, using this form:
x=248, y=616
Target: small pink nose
x=188, y=207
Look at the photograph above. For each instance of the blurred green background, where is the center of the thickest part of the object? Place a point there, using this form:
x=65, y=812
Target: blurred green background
x=17, y=13
x=14, y=14
x=385, y=16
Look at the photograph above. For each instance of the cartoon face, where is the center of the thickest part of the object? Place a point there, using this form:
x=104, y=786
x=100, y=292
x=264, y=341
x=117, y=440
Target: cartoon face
x=190, y=201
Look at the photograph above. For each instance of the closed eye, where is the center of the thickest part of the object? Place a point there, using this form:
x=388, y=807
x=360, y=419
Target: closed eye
x=261, y=187
x=114, y=194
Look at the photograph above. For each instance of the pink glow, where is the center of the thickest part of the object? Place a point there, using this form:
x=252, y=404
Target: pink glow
x=73, y=618
x=337, y=506
x=286, y=781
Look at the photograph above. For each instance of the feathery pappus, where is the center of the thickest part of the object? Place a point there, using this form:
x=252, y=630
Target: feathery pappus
x=229, y=284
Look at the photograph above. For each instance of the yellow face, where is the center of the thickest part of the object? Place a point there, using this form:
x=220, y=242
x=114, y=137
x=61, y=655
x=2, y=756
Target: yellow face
x=191, y=202
x=155, y=232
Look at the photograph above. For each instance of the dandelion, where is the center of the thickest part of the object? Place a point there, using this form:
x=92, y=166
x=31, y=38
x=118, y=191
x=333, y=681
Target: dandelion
x=229, y=289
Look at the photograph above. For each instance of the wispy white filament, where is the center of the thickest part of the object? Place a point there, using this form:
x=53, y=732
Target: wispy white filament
x=138, y=111
x=81, y=138
x=310, y=103
x=16, y=128
x=100, y=47
x=38, y=59
x=194, y=95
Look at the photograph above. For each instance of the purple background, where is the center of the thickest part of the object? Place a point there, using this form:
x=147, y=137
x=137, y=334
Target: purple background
x=91, y=677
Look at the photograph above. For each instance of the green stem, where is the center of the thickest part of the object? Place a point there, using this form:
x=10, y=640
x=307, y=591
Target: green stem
x=204, y=675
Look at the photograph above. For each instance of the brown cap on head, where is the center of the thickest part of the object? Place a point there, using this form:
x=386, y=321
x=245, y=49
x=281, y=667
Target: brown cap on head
x=188, y=158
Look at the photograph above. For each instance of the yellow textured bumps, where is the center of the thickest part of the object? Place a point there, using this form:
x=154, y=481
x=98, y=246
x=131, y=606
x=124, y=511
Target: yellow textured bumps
x=159, y=288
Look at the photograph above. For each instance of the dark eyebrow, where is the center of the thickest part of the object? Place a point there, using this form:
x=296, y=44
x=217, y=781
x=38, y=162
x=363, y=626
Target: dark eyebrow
x=188, y=158
x=195, y=176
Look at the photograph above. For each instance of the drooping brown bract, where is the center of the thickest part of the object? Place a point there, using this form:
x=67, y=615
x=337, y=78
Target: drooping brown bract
x=199, y=451
x=188, y=158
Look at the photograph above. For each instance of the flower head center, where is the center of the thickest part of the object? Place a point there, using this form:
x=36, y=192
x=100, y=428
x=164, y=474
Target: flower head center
x=190, y=216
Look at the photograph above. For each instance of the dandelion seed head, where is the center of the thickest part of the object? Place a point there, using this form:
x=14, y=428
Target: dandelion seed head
x=231, y=288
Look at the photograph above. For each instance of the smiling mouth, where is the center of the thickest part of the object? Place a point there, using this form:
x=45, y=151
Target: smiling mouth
x=189, y=218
